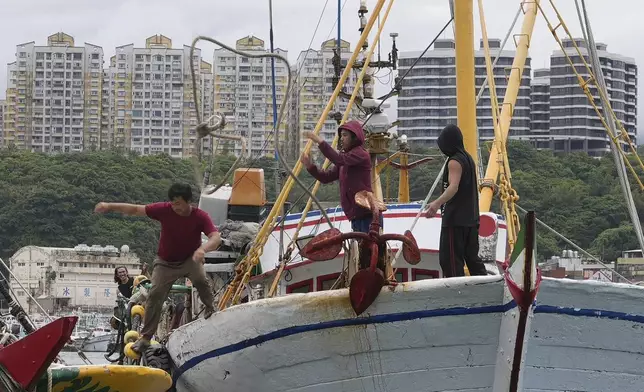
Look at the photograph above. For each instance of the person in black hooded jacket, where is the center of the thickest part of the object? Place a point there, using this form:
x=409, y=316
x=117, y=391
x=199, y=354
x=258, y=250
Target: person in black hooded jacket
x=459, y=204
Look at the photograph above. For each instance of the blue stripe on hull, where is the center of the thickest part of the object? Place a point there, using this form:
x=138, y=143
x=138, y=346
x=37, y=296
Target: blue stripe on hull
x=397, y=317
x=377, y=319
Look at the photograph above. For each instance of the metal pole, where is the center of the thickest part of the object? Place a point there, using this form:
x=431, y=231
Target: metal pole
x=339, y=43
x=276, y=173
x=465, y=83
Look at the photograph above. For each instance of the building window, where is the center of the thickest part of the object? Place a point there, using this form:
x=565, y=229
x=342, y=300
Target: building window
x=421, y=274
x=305, y=286
x=325, y=282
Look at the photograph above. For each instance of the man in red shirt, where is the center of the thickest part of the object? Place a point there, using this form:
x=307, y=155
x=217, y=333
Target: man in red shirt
x=180, y=253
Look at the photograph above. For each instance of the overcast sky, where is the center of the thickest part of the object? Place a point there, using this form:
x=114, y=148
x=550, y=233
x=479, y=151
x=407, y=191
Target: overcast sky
x=119, y=22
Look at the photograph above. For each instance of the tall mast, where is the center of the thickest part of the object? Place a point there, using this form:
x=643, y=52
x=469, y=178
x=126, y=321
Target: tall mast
x=276, y=173
x=465, y=82
x=510, y=98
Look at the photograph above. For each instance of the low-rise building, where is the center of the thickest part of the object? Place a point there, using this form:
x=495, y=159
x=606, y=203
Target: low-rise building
x=65, y=278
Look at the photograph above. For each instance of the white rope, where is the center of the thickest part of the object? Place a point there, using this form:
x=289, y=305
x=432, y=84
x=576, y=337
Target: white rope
x=421, y=210
x=49, y=380
x=555, y=232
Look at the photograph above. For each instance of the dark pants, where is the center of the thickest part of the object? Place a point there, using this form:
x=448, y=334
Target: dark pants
x=459, y=246
x=361, y=225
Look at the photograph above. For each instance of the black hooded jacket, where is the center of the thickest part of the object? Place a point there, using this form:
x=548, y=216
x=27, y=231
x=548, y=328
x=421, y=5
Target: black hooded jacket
x=463, y=208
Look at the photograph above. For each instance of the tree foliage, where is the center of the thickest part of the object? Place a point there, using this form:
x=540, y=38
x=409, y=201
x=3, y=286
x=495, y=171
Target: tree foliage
x=48, y=200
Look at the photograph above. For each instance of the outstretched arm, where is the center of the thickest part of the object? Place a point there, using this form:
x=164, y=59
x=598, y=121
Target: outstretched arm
x=324, y=176
x=123, y=208
x=331, y=154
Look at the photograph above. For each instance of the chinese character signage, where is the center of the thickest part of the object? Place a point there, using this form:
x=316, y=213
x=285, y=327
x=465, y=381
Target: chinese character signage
x=107, y=292
x=66, y=292
x=86, y=292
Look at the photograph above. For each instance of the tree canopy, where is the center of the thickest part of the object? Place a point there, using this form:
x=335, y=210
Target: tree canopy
x=48, y=200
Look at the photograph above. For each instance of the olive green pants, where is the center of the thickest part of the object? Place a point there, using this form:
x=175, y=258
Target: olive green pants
x=164, y=274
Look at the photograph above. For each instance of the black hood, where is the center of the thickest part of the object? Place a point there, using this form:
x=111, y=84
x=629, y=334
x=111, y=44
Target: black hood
x=450, y=140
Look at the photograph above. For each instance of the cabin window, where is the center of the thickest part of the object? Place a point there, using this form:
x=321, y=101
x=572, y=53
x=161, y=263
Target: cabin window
x=305, y=286
x=325, y=282
x=421, y=274
x=402, y=275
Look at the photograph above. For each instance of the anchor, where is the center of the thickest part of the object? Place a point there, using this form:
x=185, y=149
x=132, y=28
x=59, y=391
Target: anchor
x=369, y=280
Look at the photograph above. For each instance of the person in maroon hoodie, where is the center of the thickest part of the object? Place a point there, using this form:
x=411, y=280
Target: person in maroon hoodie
x=351, y=166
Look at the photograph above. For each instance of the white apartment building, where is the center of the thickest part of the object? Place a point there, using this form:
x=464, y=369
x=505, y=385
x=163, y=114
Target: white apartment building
x=153, y=108
x=427, y=102
x=107, y=104
x=243, y=92
x=540, y=108
x=54, y=96
x=3, y=105
x=59, y=278
x=573, y=123
x=313, y=89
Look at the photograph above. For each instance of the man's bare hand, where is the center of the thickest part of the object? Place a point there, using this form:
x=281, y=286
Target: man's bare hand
x=432, y=209
x=199, y=256
x=102, y=208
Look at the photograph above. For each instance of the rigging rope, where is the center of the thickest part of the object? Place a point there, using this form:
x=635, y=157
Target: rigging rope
x=585, y=86
x=485, y=81
x=398, y=84
x=601, y=84
x=422, y=209
x=80, y=353
x=268, y=139
x=205, y=126
x=555, y=232
x=507, y=194
x=245, y=268
x=327, y=162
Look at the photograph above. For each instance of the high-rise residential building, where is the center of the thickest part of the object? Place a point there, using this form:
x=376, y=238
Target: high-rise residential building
x=573, y=122
x=427, y=102
x=153, y=107
x=540, y=108
x=243, y=93
x=206, y=100
x=54, y=96
x=107, y=104
x=313, y=85
x=3, y=105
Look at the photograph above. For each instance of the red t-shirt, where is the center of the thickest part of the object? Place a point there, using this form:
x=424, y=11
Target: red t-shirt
x=180, y=235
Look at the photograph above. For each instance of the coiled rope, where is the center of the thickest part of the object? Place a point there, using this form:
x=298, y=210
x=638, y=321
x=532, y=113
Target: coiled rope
x=204, y=129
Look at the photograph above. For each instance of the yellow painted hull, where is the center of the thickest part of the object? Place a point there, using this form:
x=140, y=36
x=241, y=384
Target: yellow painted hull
x=106, y=378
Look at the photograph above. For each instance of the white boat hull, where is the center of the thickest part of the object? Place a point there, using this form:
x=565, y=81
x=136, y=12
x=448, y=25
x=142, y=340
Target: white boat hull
x=431, y=335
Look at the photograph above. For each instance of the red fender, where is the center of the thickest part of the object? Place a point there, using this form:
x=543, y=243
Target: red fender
x=27, y=359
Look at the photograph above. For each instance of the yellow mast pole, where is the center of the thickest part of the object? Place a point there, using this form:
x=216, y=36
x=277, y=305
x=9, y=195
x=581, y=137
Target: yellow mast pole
x=511, y=93
x=403, y=179
x=244, y=269
x=465, y=83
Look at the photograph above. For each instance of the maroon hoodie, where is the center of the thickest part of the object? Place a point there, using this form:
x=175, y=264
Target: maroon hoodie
x=352, y=166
